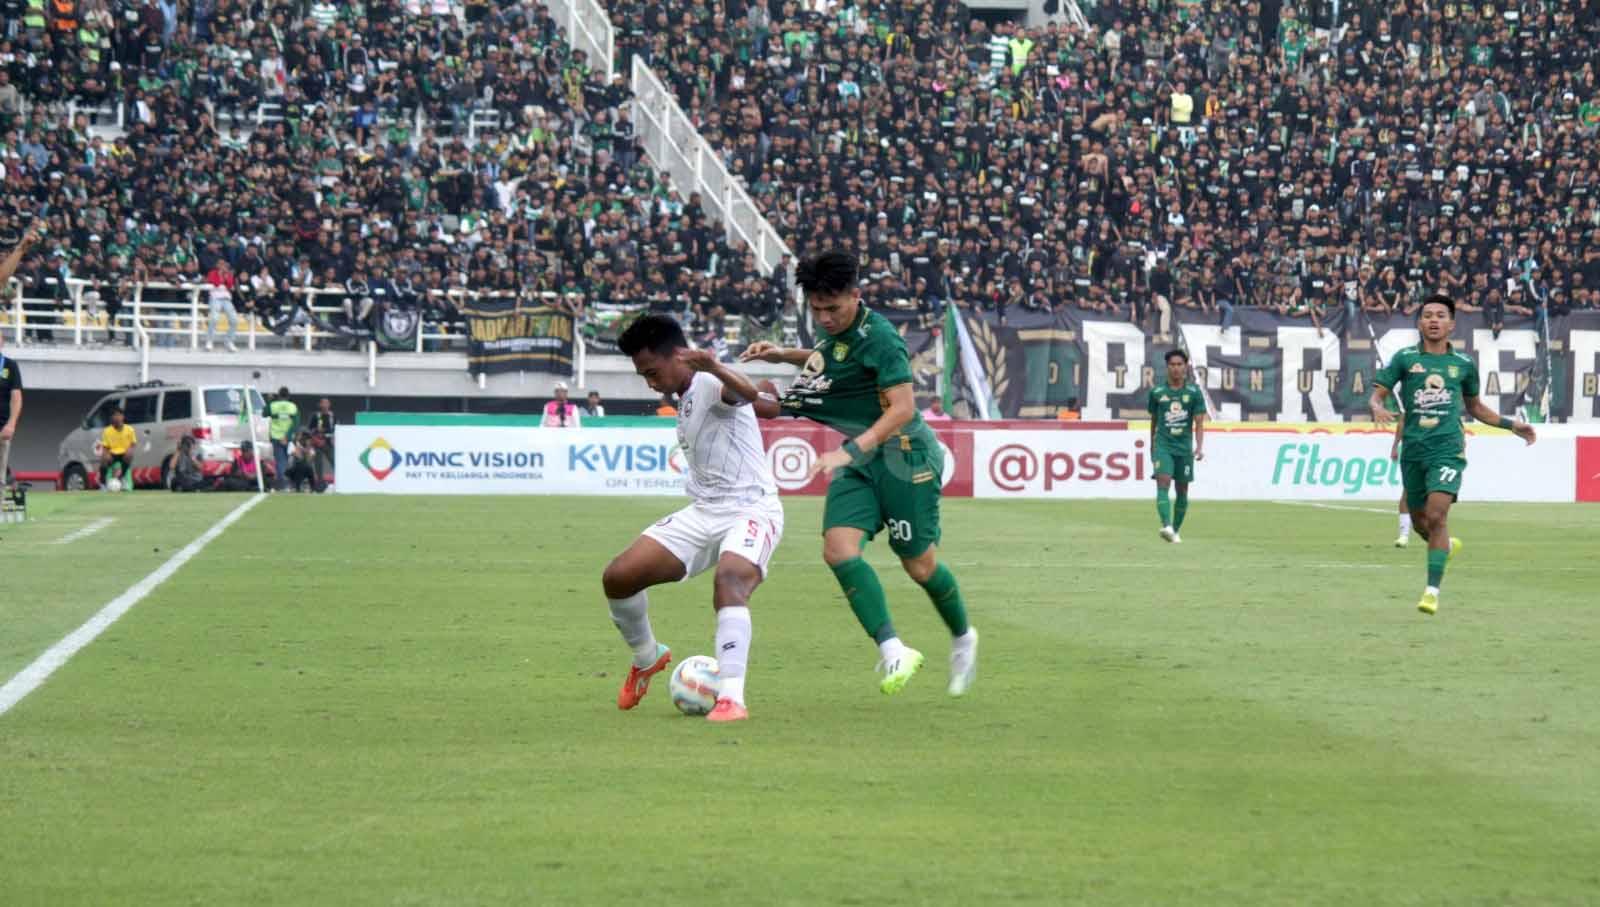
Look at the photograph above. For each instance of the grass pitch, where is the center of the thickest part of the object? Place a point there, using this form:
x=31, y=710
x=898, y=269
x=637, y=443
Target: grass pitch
x=411, y=701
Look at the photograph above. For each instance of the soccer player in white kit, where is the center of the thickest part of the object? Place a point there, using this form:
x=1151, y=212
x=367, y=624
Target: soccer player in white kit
x=733, y=524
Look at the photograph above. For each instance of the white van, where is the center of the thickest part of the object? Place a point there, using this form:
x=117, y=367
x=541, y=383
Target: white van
x=161, y=414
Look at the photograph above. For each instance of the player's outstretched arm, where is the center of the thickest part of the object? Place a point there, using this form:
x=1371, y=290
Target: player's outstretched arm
x=736, y=385
x=901, y=408
x=767, y=351
x=1487, y=416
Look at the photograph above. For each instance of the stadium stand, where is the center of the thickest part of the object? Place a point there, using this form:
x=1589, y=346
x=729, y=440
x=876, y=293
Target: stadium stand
x=1207, y=153
x=1191, y=154
x=342, y=157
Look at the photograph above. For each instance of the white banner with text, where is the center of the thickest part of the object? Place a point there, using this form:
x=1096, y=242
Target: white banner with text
x=1266, y=465
x=434, y=460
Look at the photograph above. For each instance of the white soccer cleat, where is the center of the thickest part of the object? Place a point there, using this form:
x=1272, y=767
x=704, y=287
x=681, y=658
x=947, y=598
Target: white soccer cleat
x=1168, y=533
x=1402, y=541
x=963, y=664
x=1176, y=539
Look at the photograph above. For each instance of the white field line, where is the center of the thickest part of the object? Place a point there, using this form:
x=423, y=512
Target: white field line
x=1389, y=510
x=86, y=531
x=34, y=675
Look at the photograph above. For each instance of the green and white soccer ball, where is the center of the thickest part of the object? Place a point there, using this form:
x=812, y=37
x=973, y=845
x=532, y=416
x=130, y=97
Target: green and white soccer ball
x=695, y=684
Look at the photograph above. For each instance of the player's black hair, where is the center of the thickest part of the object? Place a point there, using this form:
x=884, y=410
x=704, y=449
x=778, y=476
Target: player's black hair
x=1176, y=352
x=117, y=410
x=1441, y=299
x=660, y=334
x=828, y=273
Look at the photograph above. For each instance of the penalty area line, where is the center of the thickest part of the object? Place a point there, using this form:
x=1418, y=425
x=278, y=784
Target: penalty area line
x=86, y=531
x=35, y=674
x=1336, y=506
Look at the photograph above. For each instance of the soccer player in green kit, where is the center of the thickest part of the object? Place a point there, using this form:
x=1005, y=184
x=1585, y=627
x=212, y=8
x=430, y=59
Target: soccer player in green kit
x=1436, y=386
x=1177, y=440
x=886, y=475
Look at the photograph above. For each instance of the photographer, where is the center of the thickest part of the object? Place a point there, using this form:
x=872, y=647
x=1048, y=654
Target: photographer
x=241, y=474
x=302, y=464
x=186, y=472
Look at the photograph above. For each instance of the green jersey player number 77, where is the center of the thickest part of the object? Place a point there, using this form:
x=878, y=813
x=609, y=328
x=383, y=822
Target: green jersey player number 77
x=886, y=475
x=1436, y=386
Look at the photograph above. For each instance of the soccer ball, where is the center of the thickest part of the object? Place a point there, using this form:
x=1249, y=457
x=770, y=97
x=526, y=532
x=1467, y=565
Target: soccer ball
x=114, y=485
x=695, y=684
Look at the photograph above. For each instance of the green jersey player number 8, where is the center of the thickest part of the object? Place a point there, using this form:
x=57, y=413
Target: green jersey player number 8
x=885, y=477
x=1436, y=386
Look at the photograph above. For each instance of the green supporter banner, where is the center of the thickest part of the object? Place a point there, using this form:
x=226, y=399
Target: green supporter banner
x=507, y=335
x=1266, y=367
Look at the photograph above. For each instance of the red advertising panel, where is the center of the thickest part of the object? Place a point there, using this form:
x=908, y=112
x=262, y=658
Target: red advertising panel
x=1588, y=469
x=793, y=445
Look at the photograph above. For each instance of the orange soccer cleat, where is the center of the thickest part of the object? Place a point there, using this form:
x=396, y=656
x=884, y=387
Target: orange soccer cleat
x=638, y=682
x=728, y=710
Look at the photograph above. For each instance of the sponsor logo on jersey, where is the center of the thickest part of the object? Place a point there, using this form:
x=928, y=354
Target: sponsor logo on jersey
x=1431, y=395
x=1417, y=369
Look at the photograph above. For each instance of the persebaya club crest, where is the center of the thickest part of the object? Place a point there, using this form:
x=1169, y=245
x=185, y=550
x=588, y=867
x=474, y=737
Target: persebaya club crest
x=840, y=350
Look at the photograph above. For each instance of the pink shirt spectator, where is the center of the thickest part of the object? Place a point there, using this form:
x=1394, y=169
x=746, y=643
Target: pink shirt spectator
x=562, y=414
x=935, y=413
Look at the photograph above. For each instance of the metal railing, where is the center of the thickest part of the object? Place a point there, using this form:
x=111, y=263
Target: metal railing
x=145, y=318
x=678, y=150
x=588, y=29
x=178, y=316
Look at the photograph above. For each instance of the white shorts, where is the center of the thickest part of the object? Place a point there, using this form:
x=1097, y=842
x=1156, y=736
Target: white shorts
x=699, y=536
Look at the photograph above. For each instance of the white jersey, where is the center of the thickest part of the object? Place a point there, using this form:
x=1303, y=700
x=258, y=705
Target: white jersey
x=722, y=443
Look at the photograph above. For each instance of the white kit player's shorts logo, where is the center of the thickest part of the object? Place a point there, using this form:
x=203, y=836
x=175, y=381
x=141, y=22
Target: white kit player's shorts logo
x=791, y=459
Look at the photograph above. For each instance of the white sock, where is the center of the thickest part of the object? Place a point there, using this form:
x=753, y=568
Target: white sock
x=733, y=649
x=629, y=614
x=1432, y=590
x=890, y=648
x=1405, y=524
x=966, y=640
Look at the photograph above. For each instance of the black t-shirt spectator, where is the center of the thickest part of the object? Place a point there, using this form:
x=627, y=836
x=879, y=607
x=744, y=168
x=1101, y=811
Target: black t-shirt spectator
x=10, y=380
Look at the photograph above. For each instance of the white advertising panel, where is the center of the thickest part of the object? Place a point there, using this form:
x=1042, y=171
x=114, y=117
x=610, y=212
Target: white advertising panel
x=1263, y=465
x=433, y=460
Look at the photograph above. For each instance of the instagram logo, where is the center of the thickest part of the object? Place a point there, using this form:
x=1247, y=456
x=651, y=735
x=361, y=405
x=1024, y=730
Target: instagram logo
x=791, y=459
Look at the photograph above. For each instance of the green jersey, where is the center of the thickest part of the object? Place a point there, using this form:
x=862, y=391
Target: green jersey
x=843, y=381
x=1172, y=412
x=1432, y=389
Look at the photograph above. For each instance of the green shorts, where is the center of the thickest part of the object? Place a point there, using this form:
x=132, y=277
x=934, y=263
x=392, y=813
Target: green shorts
x=1425, y=475
x=1171, y=463
x=896, y=489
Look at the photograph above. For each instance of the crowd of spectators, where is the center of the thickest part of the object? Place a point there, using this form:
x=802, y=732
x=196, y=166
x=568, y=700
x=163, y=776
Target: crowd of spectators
x=1201, y=154
x=1182, y=154
x=367, y=174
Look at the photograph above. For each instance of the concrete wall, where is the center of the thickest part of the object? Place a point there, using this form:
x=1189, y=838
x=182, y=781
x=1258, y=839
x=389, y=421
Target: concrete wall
x=427, y=375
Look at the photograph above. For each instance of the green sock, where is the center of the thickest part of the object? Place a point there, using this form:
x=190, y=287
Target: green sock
x=1436, y=561
x=1179, y=508
x=1163, y=507
x=865, y=594
x=946, y=597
